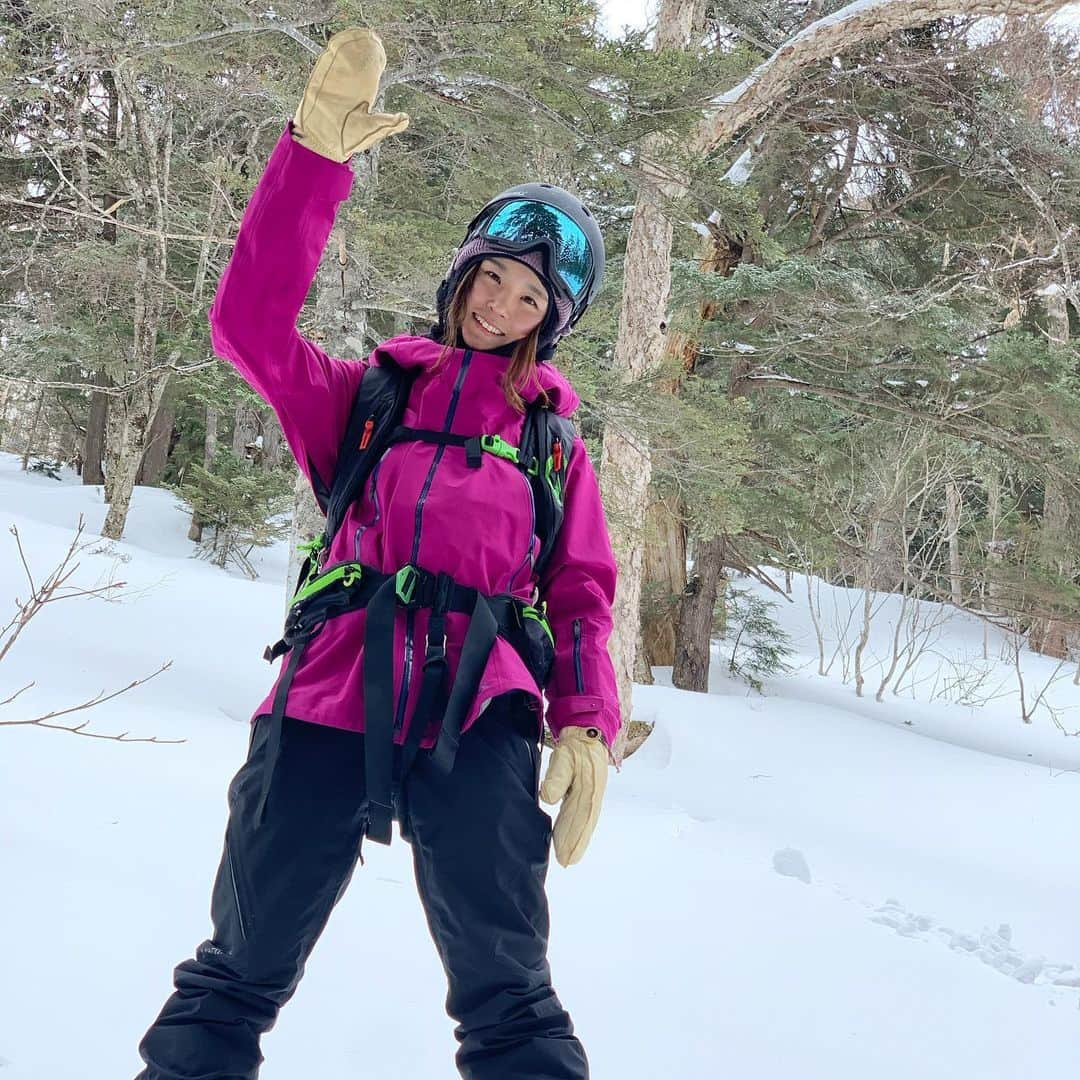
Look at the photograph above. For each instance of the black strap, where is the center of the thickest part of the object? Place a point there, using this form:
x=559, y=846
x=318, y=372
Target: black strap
x=277, y=716
x=474, y=453
x=479, y=639
x=379, y=710
x=379, y=594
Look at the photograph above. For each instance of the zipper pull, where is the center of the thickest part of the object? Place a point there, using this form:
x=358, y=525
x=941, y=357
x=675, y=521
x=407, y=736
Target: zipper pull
x=369, y=426
x=556, y=456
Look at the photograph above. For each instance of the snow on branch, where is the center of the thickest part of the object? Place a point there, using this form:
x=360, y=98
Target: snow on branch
x=851, y=25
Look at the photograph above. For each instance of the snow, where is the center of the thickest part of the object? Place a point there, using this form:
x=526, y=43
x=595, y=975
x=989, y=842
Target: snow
x=741, y=168
x=804, y=883
x=848, y=11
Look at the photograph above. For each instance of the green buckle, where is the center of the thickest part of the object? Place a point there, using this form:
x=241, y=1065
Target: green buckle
x=311, y=547
x=539, y=615
x=553, y=480
x=499, y=447
x=345, y=573
x=405, y=583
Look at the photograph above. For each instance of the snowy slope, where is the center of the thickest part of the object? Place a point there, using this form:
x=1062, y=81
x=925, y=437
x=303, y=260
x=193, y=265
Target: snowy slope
x=797, y=884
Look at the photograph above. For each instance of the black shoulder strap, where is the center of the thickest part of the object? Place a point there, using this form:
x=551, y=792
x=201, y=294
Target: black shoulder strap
x=549, y=439
x=377, y=409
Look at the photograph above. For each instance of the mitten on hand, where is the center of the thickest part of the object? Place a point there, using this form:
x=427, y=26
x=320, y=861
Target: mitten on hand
x=576, y=777
x=334, y=118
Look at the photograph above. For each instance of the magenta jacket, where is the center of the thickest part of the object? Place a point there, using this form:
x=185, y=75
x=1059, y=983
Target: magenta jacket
x=474, y=524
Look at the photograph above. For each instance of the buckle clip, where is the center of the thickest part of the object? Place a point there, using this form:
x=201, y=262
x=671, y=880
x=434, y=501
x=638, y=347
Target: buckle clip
x=405, y=583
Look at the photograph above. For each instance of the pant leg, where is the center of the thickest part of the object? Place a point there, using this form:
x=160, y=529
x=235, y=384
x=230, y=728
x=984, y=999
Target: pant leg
x=276, y=886
x=480, y=852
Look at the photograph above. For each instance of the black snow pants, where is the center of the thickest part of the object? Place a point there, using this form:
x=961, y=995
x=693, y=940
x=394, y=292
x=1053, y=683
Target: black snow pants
x=480, y=847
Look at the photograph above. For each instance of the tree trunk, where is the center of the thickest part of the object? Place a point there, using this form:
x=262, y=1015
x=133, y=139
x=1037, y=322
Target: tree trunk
x=696, y=610
x=308, y=521
x=273, y=441
x=149, y=135
x=156, y=454
x=626, y=463
x=1050, y=636
x=30, y=445
x=952, y=524
x=94, y=442
x=139, y=406
x=210, y=442
x=245, y=431
x=664, y=570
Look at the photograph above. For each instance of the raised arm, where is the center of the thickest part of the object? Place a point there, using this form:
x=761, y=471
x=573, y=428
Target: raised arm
x=253, y=317
x=281, y=240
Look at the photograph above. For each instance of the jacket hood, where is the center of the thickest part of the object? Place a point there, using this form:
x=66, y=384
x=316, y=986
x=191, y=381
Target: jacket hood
x=410, y=351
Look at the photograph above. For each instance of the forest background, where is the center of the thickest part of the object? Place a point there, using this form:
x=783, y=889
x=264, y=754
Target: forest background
x=837, y=335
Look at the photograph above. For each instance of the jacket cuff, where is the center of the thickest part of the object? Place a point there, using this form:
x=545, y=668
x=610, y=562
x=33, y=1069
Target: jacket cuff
x=330, y=179
x=583, y=710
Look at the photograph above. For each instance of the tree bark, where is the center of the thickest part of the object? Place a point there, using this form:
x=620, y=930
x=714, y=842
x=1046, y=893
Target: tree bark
x=245, y=430
x=829, y=36
x=159, y=443
x=952, y=521
x=30, y=445
x=151, y=133
x=664, y=570
x=696, y=610
x=273, y=441
x=94, y=441
x=1050, y=636
x=626, y=462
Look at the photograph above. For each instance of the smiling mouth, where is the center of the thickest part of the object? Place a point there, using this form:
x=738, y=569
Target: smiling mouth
x=487, y=327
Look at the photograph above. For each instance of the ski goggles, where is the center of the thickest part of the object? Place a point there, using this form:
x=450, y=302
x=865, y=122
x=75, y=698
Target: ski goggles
x=526, y=223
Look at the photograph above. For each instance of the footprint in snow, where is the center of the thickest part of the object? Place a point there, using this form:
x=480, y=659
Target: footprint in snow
x=993, y=947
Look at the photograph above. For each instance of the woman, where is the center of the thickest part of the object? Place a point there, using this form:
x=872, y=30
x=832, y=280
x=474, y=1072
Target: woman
x=418, y=622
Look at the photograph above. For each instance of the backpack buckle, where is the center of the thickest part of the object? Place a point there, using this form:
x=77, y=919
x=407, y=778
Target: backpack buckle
x=405, y=583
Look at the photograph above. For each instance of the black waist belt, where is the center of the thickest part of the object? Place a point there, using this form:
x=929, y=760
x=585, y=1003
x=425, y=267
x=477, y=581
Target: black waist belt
x=352, y=586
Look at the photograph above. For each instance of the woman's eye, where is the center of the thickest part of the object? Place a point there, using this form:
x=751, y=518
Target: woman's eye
x=530, y=300
x=491, y=274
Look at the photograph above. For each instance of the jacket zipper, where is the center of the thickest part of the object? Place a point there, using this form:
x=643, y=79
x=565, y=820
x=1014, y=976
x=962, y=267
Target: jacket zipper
x=578, y=675
x=399, y=719
x=527, y=561
x=361, y=529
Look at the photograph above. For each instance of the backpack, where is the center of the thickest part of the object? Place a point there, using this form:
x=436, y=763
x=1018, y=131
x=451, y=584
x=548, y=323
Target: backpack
x=374, y=425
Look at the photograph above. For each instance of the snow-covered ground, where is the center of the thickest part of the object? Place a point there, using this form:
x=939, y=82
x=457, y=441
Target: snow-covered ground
x=801, y=884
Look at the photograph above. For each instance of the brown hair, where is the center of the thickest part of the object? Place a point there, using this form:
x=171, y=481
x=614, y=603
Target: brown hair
x=522, y=368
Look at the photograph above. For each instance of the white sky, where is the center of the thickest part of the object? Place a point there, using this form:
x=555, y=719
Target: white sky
x=620, y=13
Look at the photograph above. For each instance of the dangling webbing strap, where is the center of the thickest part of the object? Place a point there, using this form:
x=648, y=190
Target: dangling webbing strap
x=347, y=592
x=350, y=586
x=440, y=594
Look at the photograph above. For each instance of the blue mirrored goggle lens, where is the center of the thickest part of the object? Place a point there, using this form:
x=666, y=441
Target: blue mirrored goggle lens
x=525, y=221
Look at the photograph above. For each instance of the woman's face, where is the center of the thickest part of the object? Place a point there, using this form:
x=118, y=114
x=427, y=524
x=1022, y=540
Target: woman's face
x=506, y=302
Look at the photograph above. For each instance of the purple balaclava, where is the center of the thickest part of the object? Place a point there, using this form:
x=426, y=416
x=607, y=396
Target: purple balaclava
x=556, y=322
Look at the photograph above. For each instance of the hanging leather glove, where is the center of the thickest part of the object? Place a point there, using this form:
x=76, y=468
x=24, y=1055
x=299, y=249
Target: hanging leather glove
x=576, y=777
x=334, y=118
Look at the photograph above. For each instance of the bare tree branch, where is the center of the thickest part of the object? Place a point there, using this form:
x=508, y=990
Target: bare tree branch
x=852, y=25
x=97, y=699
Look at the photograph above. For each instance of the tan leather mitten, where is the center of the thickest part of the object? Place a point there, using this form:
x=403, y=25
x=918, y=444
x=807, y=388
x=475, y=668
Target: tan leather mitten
x=334, y=118
x=576, y=777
